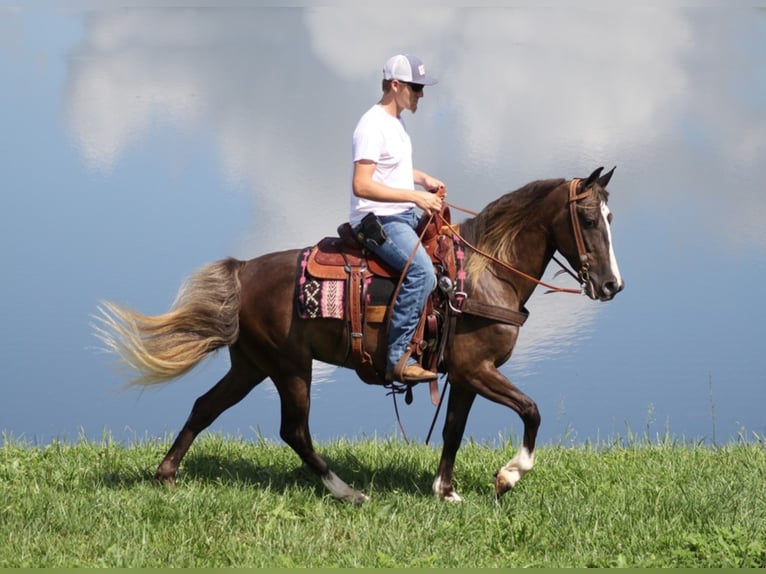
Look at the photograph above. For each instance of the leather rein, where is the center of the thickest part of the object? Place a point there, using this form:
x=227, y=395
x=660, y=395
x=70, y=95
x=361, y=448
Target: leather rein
x=582, y=275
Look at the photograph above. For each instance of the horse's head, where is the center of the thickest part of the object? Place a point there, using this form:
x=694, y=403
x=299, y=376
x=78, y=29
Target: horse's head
x=586, y=238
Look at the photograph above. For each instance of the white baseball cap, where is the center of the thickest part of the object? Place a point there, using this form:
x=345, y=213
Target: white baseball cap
x=406, y=68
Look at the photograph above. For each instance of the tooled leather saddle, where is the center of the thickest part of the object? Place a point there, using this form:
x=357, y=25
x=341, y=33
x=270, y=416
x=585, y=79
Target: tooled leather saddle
x=344, y=259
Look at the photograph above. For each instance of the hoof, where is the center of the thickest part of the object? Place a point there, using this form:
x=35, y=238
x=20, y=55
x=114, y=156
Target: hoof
x=444, y=491
x=505, y=480
x=168, y=481
x=356, y=498
x=452, y=497
x=507, y=477
x=342, y=491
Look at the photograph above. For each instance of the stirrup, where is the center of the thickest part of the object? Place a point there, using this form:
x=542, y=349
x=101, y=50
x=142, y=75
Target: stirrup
x=401, y=363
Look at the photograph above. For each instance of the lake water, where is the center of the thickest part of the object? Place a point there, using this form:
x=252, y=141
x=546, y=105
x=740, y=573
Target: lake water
x=140, y=143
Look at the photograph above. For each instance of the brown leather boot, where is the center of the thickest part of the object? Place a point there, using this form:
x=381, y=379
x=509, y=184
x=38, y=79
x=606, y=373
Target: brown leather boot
x=415, y=373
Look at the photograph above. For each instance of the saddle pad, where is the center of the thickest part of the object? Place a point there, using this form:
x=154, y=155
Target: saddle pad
x=318, y=298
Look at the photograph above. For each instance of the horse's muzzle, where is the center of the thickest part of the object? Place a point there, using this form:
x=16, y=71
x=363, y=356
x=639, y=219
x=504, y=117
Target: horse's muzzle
x=610, y=288
x=603, y=290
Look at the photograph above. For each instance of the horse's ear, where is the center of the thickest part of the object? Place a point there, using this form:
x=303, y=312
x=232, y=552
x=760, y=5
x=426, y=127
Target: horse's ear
x=603, y=181
x=593, y=177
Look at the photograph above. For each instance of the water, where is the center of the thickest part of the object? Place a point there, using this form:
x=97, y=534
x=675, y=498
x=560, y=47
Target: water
x=140, y=143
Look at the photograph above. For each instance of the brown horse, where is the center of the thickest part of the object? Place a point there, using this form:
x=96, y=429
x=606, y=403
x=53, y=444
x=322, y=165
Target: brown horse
x=249, y=306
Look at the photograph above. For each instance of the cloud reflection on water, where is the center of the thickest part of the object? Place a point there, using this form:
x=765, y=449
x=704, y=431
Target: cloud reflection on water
x=523, y=94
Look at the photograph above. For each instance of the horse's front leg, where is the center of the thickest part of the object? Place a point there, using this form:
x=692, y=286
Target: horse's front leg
x=488, y=382
x=458, y=406
x=523, y=461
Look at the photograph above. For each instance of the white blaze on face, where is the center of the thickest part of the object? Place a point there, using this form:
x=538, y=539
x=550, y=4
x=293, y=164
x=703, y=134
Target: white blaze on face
x=612, y=258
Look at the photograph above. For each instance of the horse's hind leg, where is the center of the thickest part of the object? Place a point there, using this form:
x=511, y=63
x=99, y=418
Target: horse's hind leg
x=231, y=389
x=294, y=392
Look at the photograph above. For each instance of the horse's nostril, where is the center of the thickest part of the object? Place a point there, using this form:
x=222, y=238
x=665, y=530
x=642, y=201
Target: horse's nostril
x=611, y=288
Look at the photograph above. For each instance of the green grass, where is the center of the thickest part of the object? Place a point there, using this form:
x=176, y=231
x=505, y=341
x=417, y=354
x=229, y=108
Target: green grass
x=633, y=503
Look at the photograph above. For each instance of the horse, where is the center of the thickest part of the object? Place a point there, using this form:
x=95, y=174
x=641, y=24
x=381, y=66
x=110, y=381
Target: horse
x=249, y=307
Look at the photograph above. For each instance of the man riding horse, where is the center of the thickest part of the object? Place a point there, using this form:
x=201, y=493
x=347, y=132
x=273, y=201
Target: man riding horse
x=383, y=203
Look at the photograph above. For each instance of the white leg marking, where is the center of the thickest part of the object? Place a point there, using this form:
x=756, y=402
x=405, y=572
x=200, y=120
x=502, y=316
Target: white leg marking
x=612, y=258
x=439, y=492
x=341, y=490
x=517, y=467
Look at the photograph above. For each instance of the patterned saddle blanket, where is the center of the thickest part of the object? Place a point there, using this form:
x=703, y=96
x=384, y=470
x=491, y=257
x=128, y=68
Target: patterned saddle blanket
x=325, y=298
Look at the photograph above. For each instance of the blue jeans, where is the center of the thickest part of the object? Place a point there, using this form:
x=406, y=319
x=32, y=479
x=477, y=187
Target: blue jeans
x=418, y=283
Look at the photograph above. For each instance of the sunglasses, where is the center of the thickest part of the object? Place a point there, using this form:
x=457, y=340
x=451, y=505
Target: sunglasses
x=417, y=88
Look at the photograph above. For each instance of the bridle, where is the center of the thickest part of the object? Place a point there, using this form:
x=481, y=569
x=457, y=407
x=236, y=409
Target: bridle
x=582, y=276
x=574, y=197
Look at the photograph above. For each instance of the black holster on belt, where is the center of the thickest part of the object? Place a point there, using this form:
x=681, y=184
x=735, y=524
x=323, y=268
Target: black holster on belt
x=370, y=231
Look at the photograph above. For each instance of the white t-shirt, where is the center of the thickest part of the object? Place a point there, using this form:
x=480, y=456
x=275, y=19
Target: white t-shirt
x=383, y=139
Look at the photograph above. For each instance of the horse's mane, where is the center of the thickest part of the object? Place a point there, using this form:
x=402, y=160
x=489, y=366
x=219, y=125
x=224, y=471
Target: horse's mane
x=494, y=230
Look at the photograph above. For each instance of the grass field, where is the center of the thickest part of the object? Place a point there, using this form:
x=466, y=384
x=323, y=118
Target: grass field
x=631, y=502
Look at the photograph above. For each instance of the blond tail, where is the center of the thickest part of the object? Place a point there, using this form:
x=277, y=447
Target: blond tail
x=203, y=318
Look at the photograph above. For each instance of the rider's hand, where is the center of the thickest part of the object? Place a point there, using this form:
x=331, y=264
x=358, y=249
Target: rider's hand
x=441, y=191
x=434, y=185
x=429, y=202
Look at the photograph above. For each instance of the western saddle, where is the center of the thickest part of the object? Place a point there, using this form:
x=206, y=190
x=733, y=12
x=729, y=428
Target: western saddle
x=344, y=258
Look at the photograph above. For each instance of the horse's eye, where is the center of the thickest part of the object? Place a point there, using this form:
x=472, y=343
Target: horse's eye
x=589, y=223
